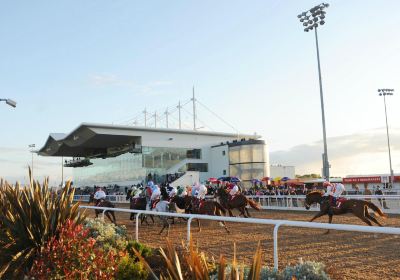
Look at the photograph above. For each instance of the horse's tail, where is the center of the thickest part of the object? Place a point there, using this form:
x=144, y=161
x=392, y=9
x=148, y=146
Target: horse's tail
x=254, y=204
x=376, y=209
x=219, y=206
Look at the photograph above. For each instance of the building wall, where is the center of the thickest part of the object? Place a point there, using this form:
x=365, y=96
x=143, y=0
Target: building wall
x=282, y=171
x=219, y=161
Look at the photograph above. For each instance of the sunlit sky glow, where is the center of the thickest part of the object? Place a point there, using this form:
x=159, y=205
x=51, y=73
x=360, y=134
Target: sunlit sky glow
x=68, y=62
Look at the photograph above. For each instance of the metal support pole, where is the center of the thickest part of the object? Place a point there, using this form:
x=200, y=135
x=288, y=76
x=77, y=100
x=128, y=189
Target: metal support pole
x=137, y=226
x=276, y=263
x=388, y=142
x=166, y=116
x=179, y=110
x=104, y=211
x=194, y=111
x=145, y=117
x=188, y=230
x=325, y=163
x=32, y=165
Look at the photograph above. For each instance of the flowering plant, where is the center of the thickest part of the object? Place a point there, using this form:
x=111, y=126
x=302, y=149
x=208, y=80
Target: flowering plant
x=73, y=255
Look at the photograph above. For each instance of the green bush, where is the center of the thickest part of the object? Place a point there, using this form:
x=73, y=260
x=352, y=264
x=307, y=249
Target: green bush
x=30, y=217
x=143, y=250
x=130, y=269
x=305, y=270
x=108, y=235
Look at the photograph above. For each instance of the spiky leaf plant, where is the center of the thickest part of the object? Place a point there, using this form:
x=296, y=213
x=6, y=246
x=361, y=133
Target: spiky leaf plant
x=29, y=217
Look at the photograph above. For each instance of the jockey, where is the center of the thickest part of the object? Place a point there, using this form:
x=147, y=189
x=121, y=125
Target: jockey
x=135, y=192
x=195, y=189
x=337, y=191
x=172, y=192
x=233, y=191
x=201, y=195
x=99, y=195
x=155, y=194
x=333, y=192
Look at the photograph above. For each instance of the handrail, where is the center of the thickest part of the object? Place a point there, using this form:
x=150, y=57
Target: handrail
x=276, y=223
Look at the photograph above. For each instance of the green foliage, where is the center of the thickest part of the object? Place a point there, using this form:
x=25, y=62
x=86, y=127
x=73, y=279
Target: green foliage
x=108, y=235
x=143, y=250
x=192, y=264
x=73, y=255
x=130, y=269
x=30, y=217
x=306, y=270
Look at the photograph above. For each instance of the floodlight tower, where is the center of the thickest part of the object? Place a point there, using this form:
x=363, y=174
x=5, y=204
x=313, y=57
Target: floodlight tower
x=386, y=92
x=311, y=19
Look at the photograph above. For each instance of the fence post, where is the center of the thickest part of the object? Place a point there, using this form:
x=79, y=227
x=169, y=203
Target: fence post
x=104, y=211
x=137, y=226
x=276, y=227
x=188, y=230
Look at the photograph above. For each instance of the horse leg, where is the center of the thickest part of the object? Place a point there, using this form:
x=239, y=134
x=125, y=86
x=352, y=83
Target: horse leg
x=319, y=214
x=242, y=212
x=109, y=216
x=198, y=224
x=361, y=216
x=330, y=221
x=113, y=215
x=247, y=211
x=230, y=213
x=369, y=216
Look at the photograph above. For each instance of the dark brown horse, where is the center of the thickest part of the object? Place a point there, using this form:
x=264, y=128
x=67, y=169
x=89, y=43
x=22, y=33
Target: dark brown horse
x=358, y=207
x=206, y=207
x=239, y=202
x=103, y=203
x=138, y=203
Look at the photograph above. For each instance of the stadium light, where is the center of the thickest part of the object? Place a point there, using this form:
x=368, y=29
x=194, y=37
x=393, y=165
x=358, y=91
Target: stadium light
x=10, y=102
x=310, y=20
x=384, y=92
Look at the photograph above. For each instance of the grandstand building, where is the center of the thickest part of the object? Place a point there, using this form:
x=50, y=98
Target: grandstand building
x=126, y=155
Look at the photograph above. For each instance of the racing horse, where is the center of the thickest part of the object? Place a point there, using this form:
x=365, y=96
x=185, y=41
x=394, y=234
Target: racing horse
x=358, y=207
x=138, y=203
x=205, y=207
x=103, y=203
x=239, y=201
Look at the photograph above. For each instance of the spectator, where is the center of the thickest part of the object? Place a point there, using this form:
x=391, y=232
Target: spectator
x=382, y=201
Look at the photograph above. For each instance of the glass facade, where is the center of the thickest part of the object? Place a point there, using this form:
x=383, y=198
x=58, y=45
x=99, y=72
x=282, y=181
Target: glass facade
x=132, y=166
x=248, y=161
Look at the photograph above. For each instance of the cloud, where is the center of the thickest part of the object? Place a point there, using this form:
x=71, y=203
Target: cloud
x=359, y=153
x=111, y=80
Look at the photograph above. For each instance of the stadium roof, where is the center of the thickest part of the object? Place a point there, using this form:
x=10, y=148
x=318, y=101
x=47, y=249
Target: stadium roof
x=102, y=140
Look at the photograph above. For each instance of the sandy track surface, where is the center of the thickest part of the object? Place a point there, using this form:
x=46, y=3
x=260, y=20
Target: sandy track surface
x=347, y=255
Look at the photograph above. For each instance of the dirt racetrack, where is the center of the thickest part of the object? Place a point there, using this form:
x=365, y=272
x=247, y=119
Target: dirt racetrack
x=347, y=255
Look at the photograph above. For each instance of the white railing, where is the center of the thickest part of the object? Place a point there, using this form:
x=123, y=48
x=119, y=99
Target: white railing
x=289, y=202
x=276, y=223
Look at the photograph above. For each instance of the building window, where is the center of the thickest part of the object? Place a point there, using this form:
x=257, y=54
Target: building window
x=195, y=153
x=224, y=172
x=223, y=153
x=201, y=167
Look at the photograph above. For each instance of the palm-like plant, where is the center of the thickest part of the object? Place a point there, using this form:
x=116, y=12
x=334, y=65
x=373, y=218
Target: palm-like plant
x=29, y=217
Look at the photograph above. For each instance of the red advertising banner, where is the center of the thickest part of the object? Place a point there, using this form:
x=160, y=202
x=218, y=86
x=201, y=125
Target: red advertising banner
x=396, y=179
x=352, y=180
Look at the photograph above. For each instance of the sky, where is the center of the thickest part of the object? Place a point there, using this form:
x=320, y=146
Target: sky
x=68, y=62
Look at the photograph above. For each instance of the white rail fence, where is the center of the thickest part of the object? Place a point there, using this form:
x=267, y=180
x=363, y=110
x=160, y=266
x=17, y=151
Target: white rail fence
x=276, y=223
x=390, y=204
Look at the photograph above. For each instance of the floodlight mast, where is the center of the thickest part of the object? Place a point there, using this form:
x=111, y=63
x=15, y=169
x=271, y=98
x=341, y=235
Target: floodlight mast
x=9, y=102
x=311, y=19
x=386, y=92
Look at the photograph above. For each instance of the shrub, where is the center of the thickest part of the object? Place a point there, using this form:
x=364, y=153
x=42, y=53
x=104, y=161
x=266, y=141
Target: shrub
x=130, y=269
x=143, y=250
x=73, y=255
x=306, y=270
x=108, y=235
x=30, y=217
